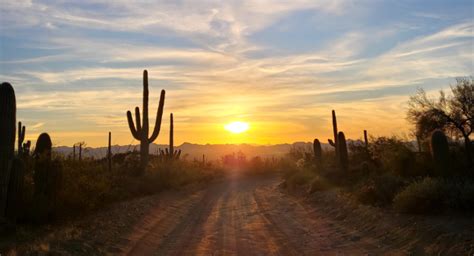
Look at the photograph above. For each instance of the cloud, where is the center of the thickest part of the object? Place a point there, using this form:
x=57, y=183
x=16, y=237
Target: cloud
x=78, y=67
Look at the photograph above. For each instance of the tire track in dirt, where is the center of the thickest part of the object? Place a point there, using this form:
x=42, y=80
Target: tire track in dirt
x=251, y=216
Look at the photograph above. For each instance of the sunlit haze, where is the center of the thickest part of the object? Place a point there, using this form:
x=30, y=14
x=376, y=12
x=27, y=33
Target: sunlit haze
x=280, y=65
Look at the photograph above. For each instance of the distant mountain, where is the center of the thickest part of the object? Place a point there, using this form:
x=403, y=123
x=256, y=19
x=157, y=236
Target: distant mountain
x=191, y=151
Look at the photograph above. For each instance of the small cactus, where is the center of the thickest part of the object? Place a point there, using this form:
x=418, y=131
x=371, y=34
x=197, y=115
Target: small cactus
x=140, y=129
x=318, y=152
x=440, y=153
x=343, y=155
x=21, y=138
x=43, y=147
x=26, y=148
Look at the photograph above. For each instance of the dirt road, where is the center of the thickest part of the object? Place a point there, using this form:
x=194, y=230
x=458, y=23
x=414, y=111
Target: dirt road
x=251, y=216
x=243, y=216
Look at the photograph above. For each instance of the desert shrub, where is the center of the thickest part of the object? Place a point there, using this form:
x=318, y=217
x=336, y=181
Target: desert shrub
x=318, y=184
x=379, y=190
x=358, y=152
x=460, y=194
x=88, y=184
x=435, y=195
x=395, y=156
x=427, y=196
x=299, y=177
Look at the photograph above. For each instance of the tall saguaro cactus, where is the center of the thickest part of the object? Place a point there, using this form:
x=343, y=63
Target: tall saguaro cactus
x=334, y=129
x=7, y=140
x=140, y=129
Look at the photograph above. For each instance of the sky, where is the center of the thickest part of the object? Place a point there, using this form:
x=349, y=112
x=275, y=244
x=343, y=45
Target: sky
x=280, y=66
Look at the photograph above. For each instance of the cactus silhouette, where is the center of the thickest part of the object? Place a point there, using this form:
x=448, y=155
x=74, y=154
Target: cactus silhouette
x=21, y=138
x=26, y=148
x=172, y=154
x=140, y=129
x=440, y=153
x=11, y=169
x=47, y=178
x=366, y=140
x=343, y=156
x=7, y=139
x=15, y=190
x=318, y=153
x=334, y=129
x=109, y=153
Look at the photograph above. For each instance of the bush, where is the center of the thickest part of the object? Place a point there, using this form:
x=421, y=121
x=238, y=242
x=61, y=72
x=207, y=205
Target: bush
x=318, y=184
x=427, y=196
x=300, y=177
x=395, y=156
x=379, y=190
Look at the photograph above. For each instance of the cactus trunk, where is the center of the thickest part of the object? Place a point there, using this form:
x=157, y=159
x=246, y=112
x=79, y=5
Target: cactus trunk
x=366, y=140
x=171, y=137
x=343, y=155
x=109, y=153
x=7, y=140
x=318, y=153
x=140, y=129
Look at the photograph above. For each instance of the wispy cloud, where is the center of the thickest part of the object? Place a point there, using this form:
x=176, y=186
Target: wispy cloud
x=77, y=66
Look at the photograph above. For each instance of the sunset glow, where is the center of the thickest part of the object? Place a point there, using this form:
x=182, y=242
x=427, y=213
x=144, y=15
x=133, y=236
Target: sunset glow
x=237, y=127
x=283, y=64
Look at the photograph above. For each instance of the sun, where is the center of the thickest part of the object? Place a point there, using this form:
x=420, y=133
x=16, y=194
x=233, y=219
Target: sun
x=237, y=127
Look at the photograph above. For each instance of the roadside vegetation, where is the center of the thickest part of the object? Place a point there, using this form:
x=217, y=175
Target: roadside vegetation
x=432, y=175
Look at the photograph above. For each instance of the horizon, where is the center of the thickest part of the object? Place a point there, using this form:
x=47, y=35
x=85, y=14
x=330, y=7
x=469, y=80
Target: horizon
x=280, y=68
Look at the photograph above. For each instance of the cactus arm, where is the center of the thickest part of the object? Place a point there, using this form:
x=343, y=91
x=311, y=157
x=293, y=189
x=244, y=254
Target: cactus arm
x=331, y=143
x=132, y=126
x=137, y=119
x=159, y=116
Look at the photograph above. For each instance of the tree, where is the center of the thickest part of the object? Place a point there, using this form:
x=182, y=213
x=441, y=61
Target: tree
x=453, y=113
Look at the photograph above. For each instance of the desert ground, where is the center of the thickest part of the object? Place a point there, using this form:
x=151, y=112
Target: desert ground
x=251, y=215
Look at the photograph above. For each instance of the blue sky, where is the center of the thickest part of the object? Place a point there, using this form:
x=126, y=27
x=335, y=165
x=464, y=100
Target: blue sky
x=279, y=65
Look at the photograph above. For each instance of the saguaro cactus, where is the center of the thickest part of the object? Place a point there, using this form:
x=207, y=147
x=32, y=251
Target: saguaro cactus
x=74, y=152
x=366, y=140
x=26, y=148
x=21, y=138
x=140, y=129
x=109, y=153
x=47, y=177
x=440, y=153
x=7, y=139
x=343, y=155
x=318, y=153
x=334, y=129
x=171, y=134
x=80, y=151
